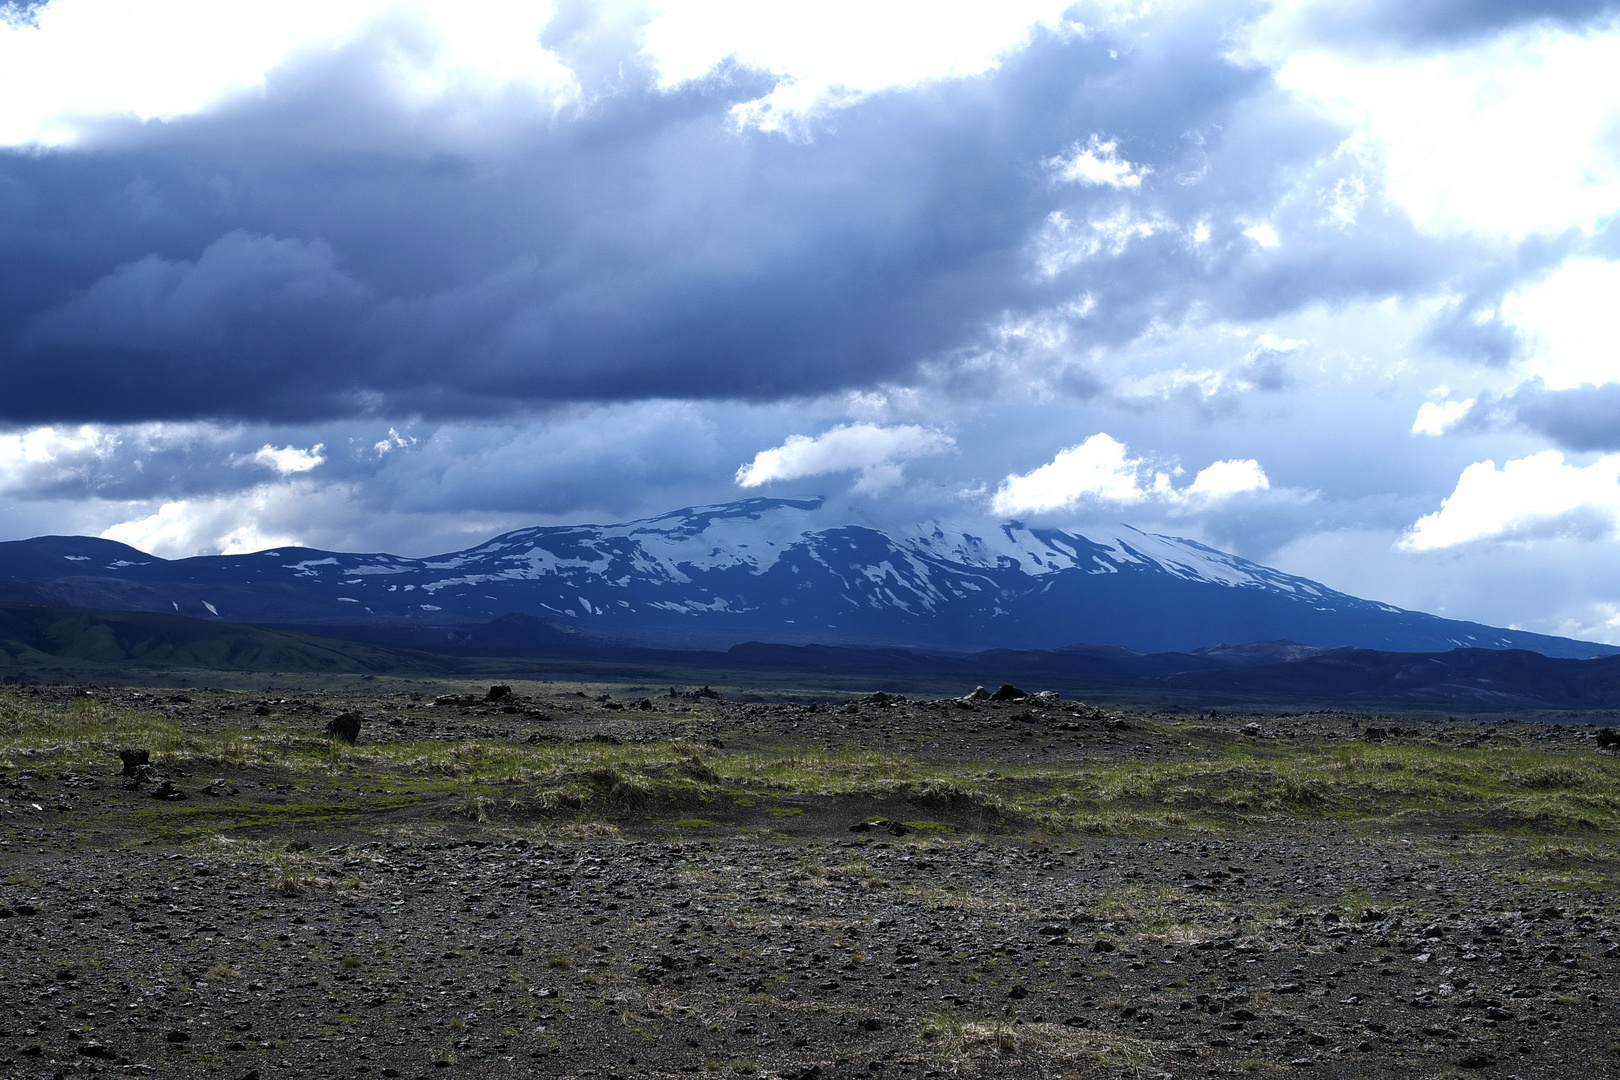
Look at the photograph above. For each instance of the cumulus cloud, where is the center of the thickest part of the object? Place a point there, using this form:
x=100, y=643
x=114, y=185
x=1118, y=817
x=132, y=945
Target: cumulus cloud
x=1098, y=468
x=1439, y=417
x=1226, y=478
x=1101, y=470
x=876, y=453
x=290, y=459
x=1539, y=495
x=1446, y=164
x=73, y=63
x=1568, y=318
x=1098, y=162
x=46, y=457
x=837, y=52
x=232, y=524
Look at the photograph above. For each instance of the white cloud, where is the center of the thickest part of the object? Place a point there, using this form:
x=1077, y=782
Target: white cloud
x=1264, y=235
x=1102, y=470
x=1510, y=136
x=1569, y=320
x=290, y=459
x=1227, y=478
x=875, y=452
x=1439, y=417
x=393, y=441
x=226, y=525
x=1063, y=242
x=838, y=51
x=1098, y=163
x=1538, y=495
x=1098, y=468
x=87, y=60
x=44, y=455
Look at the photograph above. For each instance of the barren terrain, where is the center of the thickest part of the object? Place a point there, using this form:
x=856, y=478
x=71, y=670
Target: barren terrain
x=616, y=881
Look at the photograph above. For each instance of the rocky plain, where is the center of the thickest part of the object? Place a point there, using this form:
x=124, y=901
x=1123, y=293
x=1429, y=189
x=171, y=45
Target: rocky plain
x=556, y=879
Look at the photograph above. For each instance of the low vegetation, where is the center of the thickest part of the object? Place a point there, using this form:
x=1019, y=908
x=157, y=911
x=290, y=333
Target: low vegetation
x=1216, y=783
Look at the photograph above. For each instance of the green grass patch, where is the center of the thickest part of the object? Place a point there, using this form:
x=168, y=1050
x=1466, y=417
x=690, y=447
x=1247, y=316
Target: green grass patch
x=1230, y=783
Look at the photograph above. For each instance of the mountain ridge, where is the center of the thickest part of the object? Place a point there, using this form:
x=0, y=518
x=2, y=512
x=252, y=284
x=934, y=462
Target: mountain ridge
x=769, y=569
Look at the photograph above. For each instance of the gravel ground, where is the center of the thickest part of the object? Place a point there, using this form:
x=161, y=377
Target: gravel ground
x=438, y=939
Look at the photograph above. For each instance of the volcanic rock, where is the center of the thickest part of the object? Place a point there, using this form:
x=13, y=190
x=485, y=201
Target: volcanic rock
x=345, y=726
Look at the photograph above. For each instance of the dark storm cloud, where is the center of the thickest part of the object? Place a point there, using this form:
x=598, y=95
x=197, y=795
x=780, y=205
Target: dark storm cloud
x=1430, y=23
x=1471, y=327
x=1582, y=418
x=324, y=252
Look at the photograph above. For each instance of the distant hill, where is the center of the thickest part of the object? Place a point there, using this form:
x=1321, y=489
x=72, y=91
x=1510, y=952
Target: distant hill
x=762, y=569
x=33, y=636
x=35, y=641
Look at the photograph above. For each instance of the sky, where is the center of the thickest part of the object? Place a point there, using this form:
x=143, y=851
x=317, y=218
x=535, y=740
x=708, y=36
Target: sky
x=1329, y=285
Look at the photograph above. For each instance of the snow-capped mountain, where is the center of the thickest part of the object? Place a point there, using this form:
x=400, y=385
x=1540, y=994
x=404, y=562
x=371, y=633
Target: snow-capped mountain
x=769, y=569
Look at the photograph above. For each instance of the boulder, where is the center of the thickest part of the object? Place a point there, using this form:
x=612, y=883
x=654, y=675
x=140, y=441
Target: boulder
x=1008, y=692
x=345, y=726
x=134, y=760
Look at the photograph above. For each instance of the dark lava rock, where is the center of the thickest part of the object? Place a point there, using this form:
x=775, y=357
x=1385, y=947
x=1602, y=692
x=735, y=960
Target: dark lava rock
x=220, y=788
x=1008, y=692
x=97, y=1050
x=1606, y=737
x=177, y=1037
x=345, y=726
x=1476, y=1060
x=498, y=692
x=167, y=792
x=1102, y=945
x=134, y=760
x=893, y=828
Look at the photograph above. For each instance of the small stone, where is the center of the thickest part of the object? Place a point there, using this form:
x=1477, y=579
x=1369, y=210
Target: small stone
x=177, y=1036
x=167, y=792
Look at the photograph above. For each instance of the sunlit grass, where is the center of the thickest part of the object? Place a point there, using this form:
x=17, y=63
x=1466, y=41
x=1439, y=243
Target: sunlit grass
x=1233, y=782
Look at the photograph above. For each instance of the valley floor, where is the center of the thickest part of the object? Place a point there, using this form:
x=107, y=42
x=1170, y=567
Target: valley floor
x=566, y=883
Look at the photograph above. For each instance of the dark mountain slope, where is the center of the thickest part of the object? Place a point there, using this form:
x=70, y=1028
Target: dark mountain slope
x=762, y=570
